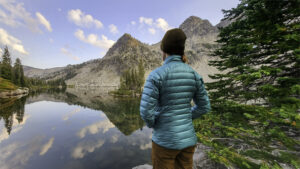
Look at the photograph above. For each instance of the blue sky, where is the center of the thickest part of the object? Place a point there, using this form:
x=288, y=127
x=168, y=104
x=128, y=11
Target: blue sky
x=54, y=33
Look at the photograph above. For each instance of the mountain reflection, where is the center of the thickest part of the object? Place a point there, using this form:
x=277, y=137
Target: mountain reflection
x=123, y=113
x=73, y=129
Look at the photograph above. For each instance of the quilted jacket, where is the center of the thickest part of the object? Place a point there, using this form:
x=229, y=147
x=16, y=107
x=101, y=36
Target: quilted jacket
x=166, y=103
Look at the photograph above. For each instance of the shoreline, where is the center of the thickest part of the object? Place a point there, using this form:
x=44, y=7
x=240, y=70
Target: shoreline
x=14, y=93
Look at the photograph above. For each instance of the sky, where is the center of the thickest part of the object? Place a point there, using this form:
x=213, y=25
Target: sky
x=55, y=33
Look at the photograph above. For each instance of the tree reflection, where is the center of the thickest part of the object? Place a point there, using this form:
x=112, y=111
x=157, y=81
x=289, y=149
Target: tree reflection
x=123, y=113
x=12, y=107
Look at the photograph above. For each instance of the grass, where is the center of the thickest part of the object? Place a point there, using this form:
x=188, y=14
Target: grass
x=6, y=85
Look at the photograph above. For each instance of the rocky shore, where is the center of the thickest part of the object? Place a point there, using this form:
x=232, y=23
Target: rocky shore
x=14, y=93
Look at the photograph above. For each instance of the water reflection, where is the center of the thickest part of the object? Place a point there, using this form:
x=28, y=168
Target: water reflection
x=72, y=129
x=122, y=112
x=12, y=109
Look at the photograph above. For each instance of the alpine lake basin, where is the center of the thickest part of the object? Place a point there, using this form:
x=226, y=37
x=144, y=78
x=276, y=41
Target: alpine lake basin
x=76, y=129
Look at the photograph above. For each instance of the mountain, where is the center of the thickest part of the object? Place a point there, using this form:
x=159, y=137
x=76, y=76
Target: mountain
x=197, y=27
x=35, y=72
x=127, y=52
x=201, y=41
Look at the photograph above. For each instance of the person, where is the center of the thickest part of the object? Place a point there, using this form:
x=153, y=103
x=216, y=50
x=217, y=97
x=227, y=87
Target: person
x=166, y=105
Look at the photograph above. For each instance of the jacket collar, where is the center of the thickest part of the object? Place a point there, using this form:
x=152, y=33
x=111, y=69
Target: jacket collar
x=172, y=58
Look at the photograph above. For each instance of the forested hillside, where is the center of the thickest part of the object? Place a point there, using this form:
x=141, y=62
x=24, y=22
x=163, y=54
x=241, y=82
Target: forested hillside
x=255, y=117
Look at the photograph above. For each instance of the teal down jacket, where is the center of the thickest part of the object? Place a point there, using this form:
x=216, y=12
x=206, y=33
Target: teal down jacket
x=166, y=103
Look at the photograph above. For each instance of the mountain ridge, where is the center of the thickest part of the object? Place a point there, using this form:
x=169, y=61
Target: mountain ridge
x=128, y=51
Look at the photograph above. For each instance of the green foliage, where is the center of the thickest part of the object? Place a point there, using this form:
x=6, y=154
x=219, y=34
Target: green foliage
x=6, y=69
x=10, y=109
x=6, y=85
x=37, y=83
x=132, y=80
x=15, y=74
x=18, y=73
x=255, y=119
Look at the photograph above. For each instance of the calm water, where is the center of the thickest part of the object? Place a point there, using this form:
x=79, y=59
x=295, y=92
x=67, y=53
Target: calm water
x=75, y=129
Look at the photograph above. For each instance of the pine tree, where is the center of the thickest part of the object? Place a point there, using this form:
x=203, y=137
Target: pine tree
x=6, y=69
x=22, y=76
x=141, y=74
x=132, y=79
x=255, y=99
x=17, y=72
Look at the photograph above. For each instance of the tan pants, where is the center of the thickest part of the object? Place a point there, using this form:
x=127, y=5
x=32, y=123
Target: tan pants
x=163, y=158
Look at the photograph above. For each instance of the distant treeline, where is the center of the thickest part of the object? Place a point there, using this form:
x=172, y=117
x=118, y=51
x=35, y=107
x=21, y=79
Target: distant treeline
x=132, y=80
x=15, y=74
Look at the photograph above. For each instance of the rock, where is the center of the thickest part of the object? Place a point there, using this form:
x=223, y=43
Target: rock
x=127, y=52
x=201, y=159
x=145, y=166
x=14, y=93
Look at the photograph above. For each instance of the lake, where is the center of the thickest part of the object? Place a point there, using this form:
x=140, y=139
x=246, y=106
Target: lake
x=73, y=129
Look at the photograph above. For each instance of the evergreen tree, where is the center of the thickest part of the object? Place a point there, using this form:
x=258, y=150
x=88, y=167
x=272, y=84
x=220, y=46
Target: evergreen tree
x=22, y=77
x=6, y=69
x=141, y=74
x=17, y=72
x=255, y=99
x=132, y=79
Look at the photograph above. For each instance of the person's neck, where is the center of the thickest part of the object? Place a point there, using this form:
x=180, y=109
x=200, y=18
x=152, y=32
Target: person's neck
x=165, y=56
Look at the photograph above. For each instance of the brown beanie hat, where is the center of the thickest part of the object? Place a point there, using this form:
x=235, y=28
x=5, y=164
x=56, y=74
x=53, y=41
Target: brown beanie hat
x=173, y=42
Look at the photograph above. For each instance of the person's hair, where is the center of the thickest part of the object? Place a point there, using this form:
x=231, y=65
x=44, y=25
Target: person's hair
x=184, y=58
x=173, y=42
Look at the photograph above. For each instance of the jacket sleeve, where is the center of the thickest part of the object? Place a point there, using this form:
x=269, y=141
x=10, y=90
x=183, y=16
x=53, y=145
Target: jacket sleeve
x=149, y=100
x=201, y=100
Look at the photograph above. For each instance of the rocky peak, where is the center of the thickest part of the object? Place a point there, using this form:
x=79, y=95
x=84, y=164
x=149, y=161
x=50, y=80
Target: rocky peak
x=128, y=40
x=125, y=42
x=224, y=23
x=195, y=26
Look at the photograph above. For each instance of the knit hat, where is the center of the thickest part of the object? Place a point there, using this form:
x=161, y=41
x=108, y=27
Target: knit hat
x=173, y=42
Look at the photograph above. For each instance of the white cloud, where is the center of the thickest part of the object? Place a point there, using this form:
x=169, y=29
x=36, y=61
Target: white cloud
x=113, y=29
x=152, y=31
x=46, y=146
x=11, y=41
x=14, y=14
x=86, y=147
x=148, y=21
x=132, y=22
x=94, y=40
x=66, y=52
x=17, y=154
x=16, y=127
x=154, y=26
x=80, y=19
x=1, y=51
x=66, y=117
x=114, y=138
x=162, y=24
x=103, y=126
x=146, y=146
x=43, y=21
